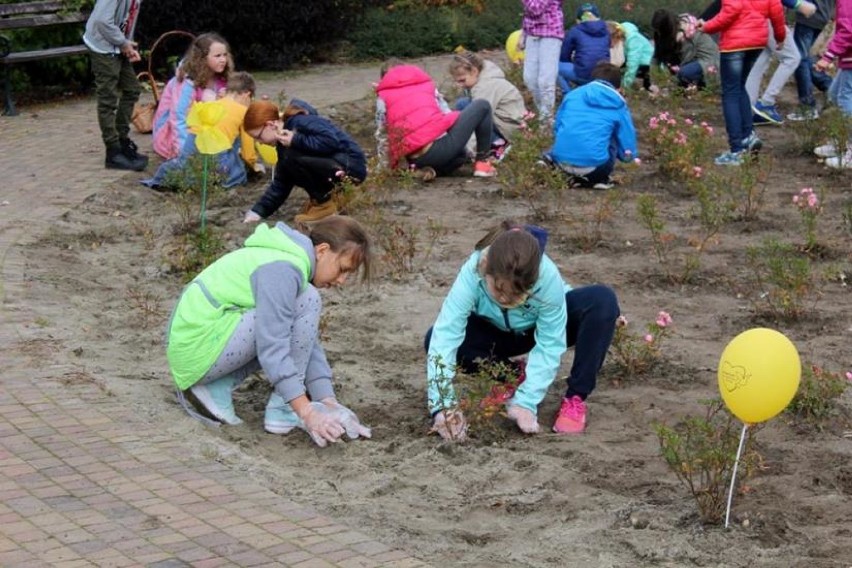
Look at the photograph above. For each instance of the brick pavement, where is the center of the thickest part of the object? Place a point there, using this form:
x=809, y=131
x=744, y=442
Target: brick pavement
x=83, y=483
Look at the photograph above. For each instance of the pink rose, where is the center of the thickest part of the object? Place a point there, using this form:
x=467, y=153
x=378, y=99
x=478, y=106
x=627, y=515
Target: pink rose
x=648, y=338
x=664, y=319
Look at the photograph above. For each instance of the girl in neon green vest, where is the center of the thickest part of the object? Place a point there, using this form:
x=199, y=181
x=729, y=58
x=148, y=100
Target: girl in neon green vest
x=258, y=308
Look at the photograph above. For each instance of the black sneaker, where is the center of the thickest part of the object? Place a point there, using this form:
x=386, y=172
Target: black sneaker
x=131, y=150
x=116, y=160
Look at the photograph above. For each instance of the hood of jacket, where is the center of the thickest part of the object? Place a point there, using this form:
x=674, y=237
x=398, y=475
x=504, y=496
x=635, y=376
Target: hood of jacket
x=593, y=28
x=403, y=76
x=602, y=95
x=281, y=237
x=304, y=106
x=491, y=70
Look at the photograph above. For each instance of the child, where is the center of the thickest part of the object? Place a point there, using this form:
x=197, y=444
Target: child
x=313, y=153
x=742, y=36
x=236, y=99
x=593, y=128
x=508, y=300
x=586, y=44
x=638, y=52
x=805, y=33
x=690, y=55
x=482, y=79
x=112, y=51
x=201, y=76
x=541, y=39
x=413, y=124
x=839, y=51
x=258, y=308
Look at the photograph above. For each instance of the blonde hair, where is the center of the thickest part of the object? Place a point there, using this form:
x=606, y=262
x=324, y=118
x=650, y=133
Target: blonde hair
x=616, y=32
x=466, y=61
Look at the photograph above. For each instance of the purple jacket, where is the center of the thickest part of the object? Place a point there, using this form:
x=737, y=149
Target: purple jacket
x=543, y=18
x=840, y=45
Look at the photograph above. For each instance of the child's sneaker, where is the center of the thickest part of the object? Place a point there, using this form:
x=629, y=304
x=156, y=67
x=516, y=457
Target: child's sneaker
x=752, y=143
x=826, y=151
x=768, y=112
x=484, y=169
x=280, y=418
x=571, y=418
x=729, y=159
x=215, y=398
x=501, y=393
x=840, y=162
x=806, y=113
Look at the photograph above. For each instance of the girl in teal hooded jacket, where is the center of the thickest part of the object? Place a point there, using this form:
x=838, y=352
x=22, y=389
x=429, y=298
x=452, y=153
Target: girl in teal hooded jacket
x=509, y=300
x=258, y=308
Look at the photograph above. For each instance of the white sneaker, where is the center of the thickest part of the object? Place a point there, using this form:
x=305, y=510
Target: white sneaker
x=806, y=113
x=840, y=162
x=826, y=151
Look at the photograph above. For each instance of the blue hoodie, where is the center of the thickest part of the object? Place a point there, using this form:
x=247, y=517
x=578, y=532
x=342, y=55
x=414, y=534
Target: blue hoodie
x=589, y=119
x=317, y=136
x=545, y=310
x=586, y=44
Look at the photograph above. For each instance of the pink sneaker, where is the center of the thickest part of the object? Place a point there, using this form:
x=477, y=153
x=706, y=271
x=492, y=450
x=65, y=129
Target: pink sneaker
x=571, y=418
x=484, y=169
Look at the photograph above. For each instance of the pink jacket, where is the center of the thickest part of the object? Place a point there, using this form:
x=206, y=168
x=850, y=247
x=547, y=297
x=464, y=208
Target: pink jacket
x=840, y=46
x=741, y=24
x=413, y=118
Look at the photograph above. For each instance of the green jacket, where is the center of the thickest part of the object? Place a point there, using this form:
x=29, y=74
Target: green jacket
x=212, y=305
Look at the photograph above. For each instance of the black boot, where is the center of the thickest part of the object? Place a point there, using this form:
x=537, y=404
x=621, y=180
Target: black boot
x=116, y=160
x=131, y=150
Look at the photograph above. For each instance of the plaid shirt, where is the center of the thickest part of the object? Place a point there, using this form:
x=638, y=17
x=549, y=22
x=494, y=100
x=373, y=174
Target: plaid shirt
x=543, y=18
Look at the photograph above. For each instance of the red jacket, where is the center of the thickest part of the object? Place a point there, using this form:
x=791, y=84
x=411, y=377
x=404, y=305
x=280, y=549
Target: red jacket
x=741, y=24
x=413, y=118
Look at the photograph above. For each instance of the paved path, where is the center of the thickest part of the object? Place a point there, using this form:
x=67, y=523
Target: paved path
x=81, y=483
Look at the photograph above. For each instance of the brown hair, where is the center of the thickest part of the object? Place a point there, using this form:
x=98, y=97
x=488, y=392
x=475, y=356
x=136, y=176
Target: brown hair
x=195, y=65
x=259, y=113
x=513, y=256
x=466, y=61
x=616, y=32
x=345, y=235
x=608, y=72
x=241, y=82
x=292, y=110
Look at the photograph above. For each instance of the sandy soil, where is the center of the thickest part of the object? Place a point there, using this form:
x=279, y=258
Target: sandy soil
x=104, y=287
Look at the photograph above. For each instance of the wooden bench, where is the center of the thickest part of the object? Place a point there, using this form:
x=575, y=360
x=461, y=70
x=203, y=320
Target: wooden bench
x=27, y=15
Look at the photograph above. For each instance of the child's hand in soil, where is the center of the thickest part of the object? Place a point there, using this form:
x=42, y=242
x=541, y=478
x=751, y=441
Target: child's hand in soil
x=351, y=422
x=525, y=419
x=450, y=425
x=322, y=423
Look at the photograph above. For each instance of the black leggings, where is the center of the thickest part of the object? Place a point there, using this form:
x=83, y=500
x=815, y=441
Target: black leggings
x=447, y=153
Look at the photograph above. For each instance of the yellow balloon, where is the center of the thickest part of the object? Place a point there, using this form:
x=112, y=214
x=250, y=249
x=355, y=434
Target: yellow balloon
x=515, y=55
x=759, y=374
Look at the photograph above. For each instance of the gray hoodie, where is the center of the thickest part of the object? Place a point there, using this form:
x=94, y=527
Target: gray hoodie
x=111, y=25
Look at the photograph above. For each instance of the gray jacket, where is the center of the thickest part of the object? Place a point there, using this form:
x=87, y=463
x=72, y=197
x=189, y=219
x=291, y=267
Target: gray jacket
x=111, y=25
x=824, y=13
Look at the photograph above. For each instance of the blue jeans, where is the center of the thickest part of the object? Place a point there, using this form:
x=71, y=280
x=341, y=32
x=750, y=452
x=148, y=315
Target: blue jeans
x=840, y=92
x=806, y=75
x=568, y=75
x=736, y=106
x=541, y=62
x=592, y=311
x=690, y=74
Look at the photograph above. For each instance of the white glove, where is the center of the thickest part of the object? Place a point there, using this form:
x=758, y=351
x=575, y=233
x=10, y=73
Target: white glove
x=259, y=168
x=525, y=419
x=322, y=423
x=350, y=421
x=450, y=425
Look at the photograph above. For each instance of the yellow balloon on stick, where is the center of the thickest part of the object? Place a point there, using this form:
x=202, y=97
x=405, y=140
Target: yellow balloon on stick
x=515, y=54
x=759, y=374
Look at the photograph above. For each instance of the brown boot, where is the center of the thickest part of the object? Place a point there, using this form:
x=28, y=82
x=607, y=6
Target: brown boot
x=317, y=211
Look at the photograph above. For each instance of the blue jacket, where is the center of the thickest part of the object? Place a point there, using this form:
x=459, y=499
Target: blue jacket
x=317, y=136
x=585, y=45
x=589, y=119
x=545, y=310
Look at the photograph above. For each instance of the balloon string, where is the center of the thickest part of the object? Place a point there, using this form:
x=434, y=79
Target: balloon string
x=734, y=474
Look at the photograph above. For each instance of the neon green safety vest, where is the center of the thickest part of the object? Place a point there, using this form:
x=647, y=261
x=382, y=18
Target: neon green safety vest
x=212, y=305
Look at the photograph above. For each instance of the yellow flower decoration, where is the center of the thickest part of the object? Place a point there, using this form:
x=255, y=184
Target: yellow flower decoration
x=202, y=121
